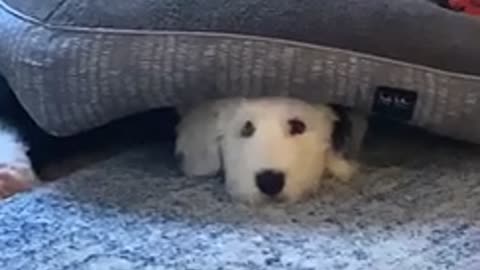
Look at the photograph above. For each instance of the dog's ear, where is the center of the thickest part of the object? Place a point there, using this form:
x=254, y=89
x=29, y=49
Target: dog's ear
x=197, y=148
x=199, y=136
x=349, y=128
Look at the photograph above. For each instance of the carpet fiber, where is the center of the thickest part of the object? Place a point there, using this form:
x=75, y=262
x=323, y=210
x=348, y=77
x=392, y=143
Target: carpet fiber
x=415, y=206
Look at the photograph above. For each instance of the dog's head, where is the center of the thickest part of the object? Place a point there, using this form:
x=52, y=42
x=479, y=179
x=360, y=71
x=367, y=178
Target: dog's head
x=269, y=148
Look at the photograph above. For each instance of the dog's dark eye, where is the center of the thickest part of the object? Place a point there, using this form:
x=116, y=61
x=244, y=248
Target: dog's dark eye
x=247, y=130
x=297, y=127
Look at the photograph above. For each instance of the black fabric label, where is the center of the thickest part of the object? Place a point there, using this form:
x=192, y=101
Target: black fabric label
x=398, y=104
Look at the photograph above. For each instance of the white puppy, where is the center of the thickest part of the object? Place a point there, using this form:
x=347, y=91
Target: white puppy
x=270, y=148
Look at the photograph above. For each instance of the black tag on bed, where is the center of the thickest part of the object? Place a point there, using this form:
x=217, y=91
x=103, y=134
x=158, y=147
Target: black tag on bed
x=394, y=103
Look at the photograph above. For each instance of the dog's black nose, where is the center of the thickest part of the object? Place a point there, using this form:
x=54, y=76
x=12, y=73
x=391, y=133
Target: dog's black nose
x=270, y=182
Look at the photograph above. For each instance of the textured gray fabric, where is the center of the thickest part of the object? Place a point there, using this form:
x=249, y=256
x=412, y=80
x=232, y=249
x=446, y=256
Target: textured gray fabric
x=77, y=67
x=416, y=31
x=41, y=10
x=415, y=206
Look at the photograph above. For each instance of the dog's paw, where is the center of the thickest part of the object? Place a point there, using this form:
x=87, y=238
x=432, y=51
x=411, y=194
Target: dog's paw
x=15, y=178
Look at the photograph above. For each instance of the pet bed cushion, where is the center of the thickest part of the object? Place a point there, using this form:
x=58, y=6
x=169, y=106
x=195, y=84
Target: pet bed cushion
x=79, y=64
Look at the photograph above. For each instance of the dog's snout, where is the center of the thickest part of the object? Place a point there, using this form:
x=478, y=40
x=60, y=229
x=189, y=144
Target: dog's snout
x=270, y=182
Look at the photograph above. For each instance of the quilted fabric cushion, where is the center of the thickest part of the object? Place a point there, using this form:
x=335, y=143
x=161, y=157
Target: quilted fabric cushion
x=79, y=64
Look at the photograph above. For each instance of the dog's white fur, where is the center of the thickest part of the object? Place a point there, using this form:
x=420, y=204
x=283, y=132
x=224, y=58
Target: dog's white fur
x=209, y=141
x=16, y=172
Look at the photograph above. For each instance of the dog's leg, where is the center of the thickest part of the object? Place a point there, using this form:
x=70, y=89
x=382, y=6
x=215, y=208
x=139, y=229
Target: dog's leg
x=16, y=172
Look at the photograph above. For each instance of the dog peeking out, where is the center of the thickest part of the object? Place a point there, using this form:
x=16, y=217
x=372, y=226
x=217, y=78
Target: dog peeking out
x=270, y=148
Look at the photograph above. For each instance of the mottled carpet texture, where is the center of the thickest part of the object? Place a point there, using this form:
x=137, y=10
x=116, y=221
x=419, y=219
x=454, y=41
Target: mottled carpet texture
x=415, y=206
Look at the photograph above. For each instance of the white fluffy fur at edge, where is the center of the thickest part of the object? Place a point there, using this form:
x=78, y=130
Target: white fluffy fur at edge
x=209, y=141
x=12, y=149
x=15, y=163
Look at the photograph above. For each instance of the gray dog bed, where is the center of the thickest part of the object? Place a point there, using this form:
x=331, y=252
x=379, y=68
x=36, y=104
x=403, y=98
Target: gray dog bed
x=79, y=64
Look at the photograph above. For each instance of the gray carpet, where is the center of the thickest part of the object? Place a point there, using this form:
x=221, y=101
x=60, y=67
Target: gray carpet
x=415, y=206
